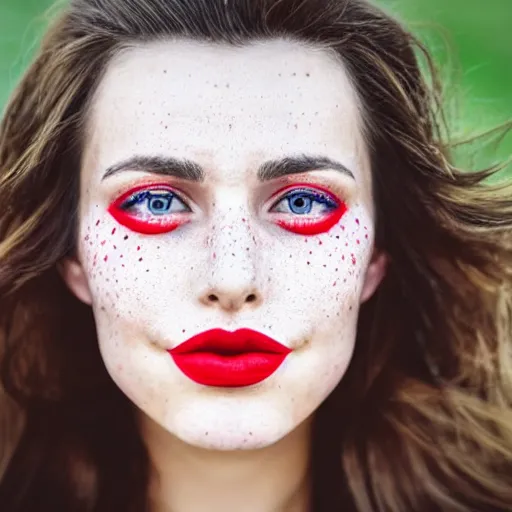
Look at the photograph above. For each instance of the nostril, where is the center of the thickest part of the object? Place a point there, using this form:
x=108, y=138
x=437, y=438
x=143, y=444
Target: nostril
x=213, y=298
x=251, y=297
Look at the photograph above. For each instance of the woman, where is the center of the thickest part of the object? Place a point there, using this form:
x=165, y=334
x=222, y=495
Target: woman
x=321, y=323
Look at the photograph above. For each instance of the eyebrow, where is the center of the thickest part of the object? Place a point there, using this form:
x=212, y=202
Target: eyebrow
x=191, y=171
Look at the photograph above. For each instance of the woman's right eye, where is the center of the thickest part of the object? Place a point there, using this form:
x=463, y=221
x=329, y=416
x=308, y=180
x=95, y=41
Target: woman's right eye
x=149, y=211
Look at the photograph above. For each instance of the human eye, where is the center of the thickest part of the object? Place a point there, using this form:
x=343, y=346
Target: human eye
x=309, y=211
x=149, y=210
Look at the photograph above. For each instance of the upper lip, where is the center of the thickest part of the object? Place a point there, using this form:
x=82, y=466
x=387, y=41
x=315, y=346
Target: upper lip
x=230, y=343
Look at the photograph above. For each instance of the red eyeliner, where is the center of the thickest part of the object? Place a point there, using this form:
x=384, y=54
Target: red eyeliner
x=308, y=227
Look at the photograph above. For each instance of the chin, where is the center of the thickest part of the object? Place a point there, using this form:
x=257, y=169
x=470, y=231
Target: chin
x=237, y=429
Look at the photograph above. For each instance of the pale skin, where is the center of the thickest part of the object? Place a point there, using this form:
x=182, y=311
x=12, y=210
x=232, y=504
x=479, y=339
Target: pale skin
x=229, y=110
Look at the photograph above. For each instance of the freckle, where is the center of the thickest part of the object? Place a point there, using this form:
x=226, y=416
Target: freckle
x=247, y=248
x=114, y=231
x=121, y=256
x=122, y=265
x=125, y=237
x=343, y=257
x=87, y=238
x=105, y=258
x=165, y=71
x=334, y=284
x=343, y=228
x=357, y=222
x=214, y=255
x=308, y=262
x=353, y=259
x=97, y=223
x=147, y=270
x=138, y=248
x=115, y=247
x=357, y=241
x=346, y=244
x=103, y=242
x=337, y=237
x=140, y=259
x=307, y=74
x=320, y=242
x=310, y=252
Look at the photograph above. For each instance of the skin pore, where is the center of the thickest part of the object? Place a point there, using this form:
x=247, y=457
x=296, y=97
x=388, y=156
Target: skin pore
x=162, y=258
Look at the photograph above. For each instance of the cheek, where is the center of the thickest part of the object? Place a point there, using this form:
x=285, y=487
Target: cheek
x=122, y=267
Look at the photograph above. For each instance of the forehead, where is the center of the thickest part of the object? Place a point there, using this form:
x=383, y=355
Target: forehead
x=225, y=106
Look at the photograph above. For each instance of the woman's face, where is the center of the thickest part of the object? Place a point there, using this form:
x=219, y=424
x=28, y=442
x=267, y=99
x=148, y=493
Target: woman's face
x=275, y=234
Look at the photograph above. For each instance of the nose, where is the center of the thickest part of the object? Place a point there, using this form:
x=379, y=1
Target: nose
x=230, y=301
x=234, y=278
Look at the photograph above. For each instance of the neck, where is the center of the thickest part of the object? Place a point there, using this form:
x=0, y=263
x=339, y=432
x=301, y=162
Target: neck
x=192, y=479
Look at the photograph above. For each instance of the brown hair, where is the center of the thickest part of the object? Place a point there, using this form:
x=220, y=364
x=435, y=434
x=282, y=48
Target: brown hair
x=423, y=418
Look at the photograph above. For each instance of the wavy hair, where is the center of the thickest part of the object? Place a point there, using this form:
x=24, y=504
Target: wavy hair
x=422, y=420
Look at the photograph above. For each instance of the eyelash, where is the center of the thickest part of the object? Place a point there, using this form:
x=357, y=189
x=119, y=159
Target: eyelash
x=157, y=224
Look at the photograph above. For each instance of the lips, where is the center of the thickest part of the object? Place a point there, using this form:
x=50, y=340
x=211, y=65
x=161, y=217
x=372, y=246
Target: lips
x=229, y=359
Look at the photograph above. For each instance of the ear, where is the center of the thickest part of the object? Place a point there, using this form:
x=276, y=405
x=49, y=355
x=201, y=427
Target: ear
x=374, y=274
x=73, y=274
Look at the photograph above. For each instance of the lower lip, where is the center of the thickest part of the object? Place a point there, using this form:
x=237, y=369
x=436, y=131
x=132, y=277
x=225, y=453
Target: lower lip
x=228, y=371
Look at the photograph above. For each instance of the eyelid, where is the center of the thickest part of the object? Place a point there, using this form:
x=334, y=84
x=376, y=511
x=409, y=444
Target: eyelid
x=124, y=196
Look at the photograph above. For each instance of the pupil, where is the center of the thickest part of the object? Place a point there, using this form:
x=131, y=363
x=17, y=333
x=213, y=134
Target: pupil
x=159, y=204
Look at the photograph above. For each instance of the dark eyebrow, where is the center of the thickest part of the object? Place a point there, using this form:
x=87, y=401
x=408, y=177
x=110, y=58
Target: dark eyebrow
x=191, y=171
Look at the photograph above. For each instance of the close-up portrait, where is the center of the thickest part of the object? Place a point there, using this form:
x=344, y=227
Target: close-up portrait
x=255, y=256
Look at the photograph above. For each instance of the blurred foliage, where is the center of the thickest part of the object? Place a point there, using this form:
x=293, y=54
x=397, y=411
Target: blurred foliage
x=470, y=39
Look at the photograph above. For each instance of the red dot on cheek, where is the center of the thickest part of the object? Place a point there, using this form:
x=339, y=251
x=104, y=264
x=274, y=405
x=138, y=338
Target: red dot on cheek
x=138, y=248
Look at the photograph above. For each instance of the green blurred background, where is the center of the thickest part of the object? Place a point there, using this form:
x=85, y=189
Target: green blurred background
x=471, y=41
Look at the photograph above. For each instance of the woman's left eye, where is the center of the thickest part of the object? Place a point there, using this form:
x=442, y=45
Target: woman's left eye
x=302, y=202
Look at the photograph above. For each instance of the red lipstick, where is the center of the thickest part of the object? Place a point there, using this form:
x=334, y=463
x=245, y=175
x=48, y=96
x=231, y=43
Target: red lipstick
x=229, y=359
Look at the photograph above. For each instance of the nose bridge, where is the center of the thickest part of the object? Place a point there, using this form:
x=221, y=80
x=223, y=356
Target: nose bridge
x=233, y=257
